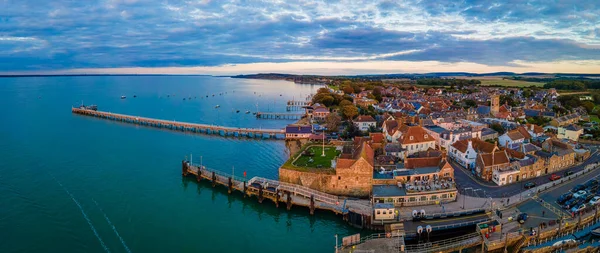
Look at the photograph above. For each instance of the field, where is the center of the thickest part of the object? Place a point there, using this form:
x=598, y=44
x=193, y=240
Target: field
x=497, y=80
x=311, y=157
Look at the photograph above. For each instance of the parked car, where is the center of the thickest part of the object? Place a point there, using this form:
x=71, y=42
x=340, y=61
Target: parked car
x=591, y=183
x=579, y=194
x=577, y=209
x=563, y=198
x=578, y=187
x=588, y=197
x=522, y=218
x=572, y=202
x=554, y=177
x=529, y=185
x=595, y=200
x=568, y=173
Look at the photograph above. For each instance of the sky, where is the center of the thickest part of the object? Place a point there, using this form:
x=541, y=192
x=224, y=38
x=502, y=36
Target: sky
x=302, y=37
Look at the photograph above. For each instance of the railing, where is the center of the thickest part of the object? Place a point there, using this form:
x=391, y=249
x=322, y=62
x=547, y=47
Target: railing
x=456, y=213
x=218, y=173
x=300, y=190
x=447, y=244
x=461, y=224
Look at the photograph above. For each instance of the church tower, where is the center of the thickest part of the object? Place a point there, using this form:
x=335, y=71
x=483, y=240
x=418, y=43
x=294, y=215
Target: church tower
x=495, y=105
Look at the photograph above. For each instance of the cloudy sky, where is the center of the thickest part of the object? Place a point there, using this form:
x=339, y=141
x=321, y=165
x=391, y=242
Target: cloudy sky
x=322, y=37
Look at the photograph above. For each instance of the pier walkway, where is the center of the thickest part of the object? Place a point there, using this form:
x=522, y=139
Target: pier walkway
x=293, y=105
x=185, y=126
x=275, y=115
x=276, y=191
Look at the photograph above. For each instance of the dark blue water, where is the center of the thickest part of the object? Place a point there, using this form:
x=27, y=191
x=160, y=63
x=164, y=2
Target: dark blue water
x=130, y=176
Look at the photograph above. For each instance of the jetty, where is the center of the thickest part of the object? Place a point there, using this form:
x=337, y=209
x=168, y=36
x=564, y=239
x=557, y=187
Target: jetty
x=296, y=104
x=275, y=115
x=279, y=192
x=259, y=133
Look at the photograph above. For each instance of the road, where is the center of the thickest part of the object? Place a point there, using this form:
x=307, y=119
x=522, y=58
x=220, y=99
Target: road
x=538, y=213
x=472, y=186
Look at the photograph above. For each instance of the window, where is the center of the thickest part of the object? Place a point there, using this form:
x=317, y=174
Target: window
x=339, y=177
x=423, y=198
x=426, y=136
x=411, y=138
x=384, y=212
x=412, y=199
x=378, y=212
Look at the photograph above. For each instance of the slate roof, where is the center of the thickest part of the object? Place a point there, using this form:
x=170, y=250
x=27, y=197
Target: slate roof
x=482, y=109
x=298, y=129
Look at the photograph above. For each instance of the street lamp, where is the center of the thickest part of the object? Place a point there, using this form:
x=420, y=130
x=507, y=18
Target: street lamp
x=336, y=243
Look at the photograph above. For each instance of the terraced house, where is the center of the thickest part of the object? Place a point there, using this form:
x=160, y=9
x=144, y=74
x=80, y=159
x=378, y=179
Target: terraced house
x=464, y=152
x=487, y=163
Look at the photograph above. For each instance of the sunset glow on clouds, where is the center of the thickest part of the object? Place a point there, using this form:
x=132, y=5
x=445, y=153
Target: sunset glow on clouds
x=320, y=37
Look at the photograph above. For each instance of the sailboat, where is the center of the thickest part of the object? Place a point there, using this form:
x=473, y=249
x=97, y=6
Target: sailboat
x=217, y=106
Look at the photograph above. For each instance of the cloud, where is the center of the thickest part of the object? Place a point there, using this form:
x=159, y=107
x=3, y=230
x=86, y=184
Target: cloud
x=63, y=34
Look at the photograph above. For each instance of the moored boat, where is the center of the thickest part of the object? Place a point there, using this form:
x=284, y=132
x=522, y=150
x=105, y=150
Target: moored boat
x=596, y=232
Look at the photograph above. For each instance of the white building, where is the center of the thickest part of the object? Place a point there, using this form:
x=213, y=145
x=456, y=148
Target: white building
x=364, y=122
x=416, y=139
x=464, y=152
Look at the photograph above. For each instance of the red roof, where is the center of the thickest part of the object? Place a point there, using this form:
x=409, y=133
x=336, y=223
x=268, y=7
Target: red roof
x=365, y=118
x=415, y=134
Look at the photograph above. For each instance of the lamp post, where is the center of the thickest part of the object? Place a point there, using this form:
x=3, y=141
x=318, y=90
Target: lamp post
x=336, y=243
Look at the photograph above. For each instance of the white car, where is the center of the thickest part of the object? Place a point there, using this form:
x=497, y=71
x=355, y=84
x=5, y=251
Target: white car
x=595, y=200
x=579, y=194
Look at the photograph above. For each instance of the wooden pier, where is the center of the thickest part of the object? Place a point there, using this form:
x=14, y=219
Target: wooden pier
x=274, y=115
x=276, y=191
x=184, y=126
x=293, y=105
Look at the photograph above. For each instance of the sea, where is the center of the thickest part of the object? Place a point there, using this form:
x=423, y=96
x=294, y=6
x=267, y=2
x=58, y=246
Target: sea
x=72, y=183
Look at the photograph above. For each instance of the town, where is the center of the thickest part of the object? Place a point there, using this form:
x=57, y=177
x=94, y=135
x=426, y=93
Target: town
x=418, y=152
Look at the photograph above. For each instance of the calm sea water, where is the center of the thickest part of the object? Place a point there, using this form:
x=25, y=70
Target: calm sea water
x=122, y=188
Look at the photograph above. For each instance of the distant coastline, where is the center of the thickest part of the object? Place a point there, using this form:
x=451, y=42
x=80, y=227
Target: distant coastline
x=60, y=75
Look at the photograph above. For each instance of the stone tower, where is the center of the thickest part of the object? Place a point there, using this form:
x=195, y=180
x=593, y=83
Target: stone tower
x=495, y=105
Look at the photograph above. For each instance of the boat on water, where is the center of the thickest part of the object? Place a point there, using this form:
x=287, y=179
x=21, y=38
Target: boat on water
x=217, y=106
x=247, y=112
x=237, y=111
x=183, y=98
x=123, y=97
x=135, y=96
x=596, y=232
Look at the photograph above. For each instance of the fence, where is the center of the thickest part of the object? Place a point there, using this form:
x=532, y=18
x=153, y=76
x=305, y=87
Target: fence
x=447, y=244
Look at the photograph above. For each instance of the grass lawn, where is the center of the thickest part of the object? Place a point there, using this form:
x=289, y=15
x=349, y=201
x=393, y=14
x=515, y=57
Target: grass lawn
x=594, y=118
x=315, y=160
x=509, y=83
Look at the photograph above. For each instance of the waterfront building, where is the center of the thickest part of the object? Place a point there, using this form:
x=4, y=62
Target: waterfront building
x=298, y=131
x=365, y=122
x=418, y=181
x=505, y=175
x=320, y=113
x=571, y=132
x=383, y=211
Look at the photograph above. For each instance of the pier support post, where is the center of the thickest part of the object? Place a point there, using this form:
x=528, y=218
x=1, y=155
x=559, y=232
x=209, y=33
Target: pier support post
x=277, y=199
x=312, y=204
x=229, y=186
x=289, y=201
x=260, y=194
x=245, y=188
x=199, y=175
x=184, y=168
x=214, y=179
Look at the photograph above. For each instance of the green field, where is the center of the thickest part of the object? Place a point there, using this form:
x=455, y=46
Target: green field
x=594, y=118
x=311, y=157
x=509, y=83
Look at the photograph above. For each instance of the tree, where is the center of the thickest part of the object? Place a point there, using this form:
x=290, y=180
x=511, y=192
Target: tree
x=352, y=131
x=498, y=128
x=323, y=90
x=470, y=103
x=589, y=106
x=349, y=111
x=345, y=103
x=356, y=88
x=377, y=93
x=333, y=122
x=327, y=100
x=348, y=90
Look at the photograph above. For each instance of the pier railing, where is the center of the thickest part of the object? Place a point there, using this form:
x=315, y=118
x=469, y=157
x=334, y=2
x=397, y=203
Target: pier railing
x=451, y=244
x=299, y=190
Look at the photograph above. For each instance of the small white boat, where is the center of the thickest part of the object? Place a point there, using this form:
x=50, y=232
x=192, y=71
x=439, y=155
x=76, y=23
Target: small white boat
x=247, y=112
x=123, y=97
x=217, y=106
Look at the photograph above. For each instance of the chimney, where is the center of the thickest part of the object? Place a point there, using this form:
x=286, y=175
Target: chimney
x=531, y=128
x=506, y=144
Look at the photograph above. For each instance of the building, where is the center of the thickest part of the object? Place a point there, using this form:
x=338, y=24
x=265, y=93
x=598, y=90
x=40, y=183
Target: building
x=393, y=129
x=571, y=132
x=419, y=181
x=565, y=120
x=383, y=211
x=515, y=136
x=464, y=152
x=495, y=105
x=556, y=155
x=534, y=130
x=365, y=122
x=320, y=113
x=488, y=162
x=298, y=131
x=505, y=175
x=415, y=139
x=354, y=172
x=488, y=134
